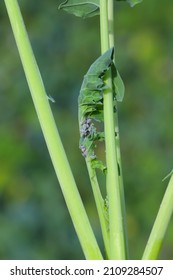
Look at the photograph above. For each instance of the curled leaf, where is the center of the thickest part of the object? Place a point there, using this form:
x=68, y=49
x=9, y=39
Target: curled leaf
x=118, y=84
x=91, y=104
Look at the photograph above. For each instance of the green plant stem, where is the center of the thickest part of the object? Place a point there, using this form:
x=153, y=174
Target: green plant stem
x=100, y=205
x=155, y=241
x=116, y=224
x=52, y=138
x=117, y=139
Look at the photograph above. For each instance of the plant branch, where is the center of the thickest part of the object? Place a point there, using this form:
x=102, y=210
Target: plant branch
x=101, y=209
x=155, y=241
x=116, y=225
x=117, y=139
x=51, y=135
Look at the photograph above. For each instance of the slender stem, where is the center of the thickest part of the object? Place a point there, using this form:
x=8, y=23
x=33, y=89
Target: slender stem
x=111, y=23
x=101, y=209
x=116, y=225
x=160, y=225
x=52, y=138
x=104, y=25
x=117, y=139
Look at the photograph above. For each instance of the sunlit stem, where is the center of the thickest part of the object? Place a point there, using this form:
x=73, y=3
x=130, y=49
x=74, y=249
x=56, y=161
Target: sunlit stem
x=116, y=224
x=155, y=241
x=51, y=135
x=117, y=139
x=100, y=205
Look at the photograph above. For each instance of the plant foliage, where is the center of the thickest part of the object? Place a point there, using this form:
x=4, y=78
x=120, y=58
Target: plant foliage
x=87, y=8
x=81, y=8
x=91, y=103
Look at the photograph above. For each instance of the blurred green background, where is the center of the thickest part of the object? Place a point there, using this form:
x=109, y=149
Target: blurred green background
x=34, y=221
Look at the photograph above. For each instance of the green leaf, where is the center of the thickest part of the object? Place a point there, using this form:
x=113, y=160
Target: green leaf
x=98, y=164
x=132, y=3
x=87, y=8
x=91, y=93
x=81, y=8
x=102, y=64
x=118, y=85
x=91, y=107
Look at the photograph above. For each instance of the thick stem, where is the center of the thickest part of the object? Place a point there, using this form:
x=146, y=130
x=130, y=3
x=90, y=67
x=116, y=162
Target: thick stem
x=52, y=138
x=117, y=139
x=155, y=241
x=116, y=225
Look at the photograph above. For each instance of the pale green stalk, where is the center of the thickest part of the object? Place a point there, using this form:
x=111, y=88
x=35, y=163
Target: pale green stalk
x=52, y=138
x=117, y=139
x=101, y=209
x=116, y=224
x=155, y=241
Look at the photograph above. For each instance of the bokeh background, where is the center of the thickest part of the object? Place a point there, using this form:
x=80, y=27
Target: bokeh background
x=34, y=221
